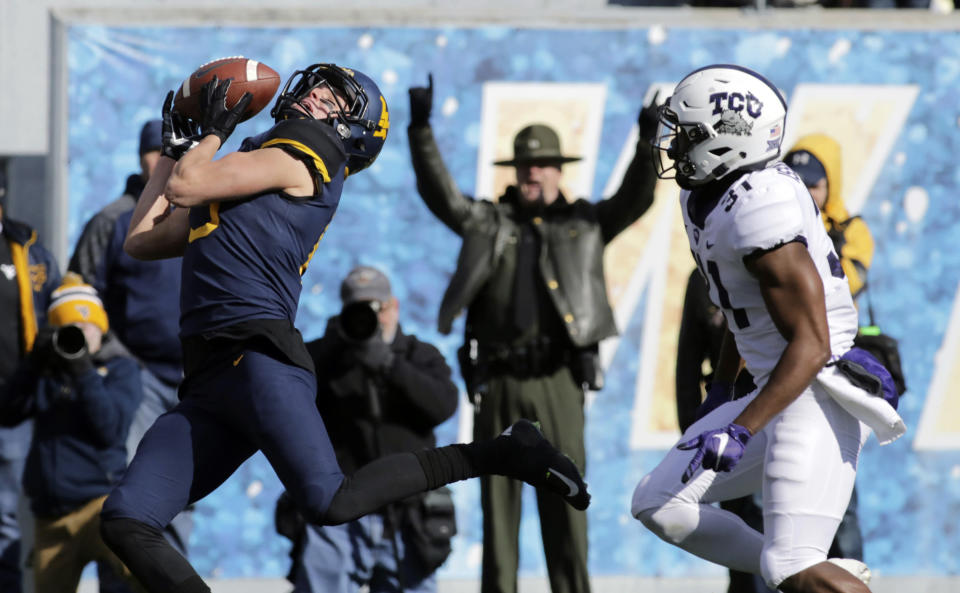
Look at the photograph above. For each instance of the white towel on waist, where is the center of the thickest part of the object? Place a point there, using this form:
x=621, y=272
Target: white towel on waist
x=872, y=410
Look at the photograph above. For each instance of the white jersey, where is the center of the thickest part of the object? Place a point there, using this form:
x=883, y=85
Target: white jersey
x=761, y=211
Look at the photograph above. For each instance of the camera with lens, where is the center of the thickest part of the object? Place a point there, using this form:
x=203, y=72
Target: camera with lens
x=69, y=342
x=359, y=321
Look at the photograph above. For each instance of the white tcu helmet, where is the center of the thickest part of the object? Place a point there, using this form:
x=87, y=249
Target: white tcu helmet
x=719, y=119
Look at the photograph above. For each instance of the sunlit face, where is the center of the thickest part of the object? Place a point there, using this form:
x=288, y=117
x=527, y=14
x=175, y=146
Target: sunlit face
x=322, y=102
x=539, y=182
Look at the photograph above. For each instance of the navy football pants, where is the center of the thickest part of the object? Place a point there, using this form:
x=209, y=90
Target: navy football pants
x=226, y=414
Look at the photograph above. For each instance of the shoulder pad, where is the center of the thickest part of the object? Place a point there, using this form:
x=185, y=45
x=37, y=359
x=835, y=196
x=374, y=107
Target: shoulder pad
x=313, y=142
x=767, y=212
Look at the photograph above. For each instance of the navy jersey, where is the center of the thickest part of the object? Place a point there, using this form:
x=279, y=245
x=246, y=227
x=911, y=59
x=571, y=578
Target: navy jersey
x=245, y=258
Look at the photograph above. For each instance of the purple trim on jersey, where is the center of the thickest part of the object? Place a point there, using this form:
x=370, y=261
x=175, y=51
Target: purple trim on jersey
x=704, y=199
x=758, y=252
x=836, y=269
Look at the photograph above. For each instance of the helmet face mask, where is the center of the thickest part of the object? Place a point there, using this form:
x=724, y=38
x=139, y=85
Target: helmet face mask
x=361, y=121
x=720, y=119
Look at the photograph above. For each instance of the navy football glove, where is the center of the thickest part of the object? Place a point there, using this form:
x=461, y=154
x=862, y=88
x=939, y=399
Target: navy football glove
x=215, y=118
x=179, y=132
x=719, y=449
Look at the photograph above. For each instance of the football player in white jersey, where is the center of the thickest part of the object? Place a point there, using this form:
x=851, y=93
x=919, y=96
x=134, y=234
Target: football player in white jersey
x=758, y=240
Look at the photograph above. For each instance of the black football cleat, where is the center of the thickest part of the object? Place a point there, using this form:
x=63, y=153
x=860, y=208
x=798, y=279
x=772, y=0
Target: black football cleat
x=527, y=455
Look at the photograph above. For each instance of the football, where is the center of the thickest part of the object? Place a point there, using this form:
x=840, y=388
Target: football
x=249, y=76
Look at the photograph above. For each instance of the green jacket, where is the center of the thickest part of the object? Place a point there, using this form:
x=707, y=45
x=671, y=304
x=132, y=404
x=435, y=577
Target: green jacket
x=573, y=236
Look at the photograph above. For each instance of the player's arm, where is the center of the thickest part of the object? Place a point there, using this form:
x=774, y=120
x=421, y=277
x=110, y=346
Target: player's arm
x=793, y=294
x=197, y=179
x=157, y=230
x=296, y=157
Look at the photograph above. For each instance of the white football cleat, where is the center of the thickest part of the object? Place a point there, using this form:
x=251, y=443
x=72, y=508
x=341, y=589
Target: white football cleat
x=854, y=567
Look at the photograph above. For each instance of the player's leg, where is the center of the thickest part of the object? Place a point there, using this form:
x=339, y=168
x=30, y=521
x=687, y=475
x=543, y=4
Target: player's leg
x=187, y=453
x=158, y=397
x=749, y=509
x=520, y=452
x=810, y=470
x=848, y=543
x=681, y=514
x=284, y=423
x=90, y=540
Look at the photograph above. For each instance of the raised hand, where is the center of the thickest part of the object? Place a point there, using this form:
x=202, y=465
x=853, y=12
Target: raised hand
x=421, y=103
x=179, y=132
x=649, y=119
x=215, y=118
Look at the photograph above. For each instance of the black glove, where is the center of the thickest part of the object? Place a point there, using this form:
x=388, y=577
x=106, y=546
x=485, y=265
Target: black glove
x=421, y=102
x=374, y=355
x=42, y=354
x=76, y=367
x=649, y=120
x=179, y=131
x=215, y=118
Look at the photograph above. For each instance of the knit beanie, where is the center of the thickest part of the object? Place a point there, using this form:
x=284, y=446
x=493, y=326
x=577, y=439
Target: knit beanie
x=151, y=136
x=73, y=302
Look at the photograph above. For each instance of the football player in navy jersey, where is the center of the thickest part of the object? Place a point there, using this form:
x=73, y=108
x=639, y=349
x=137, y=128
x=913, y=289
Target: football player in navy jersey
x=247, y=225
x=759, y=242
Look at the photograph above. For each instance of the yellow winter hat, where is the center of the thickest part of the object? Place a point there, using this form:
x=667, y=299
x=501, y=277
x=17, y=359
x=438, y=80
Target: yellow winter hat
x=73, y=302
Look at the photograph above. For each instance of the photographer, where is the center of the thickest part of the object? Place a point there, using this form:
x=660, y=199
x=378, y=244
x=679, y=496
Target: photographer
x=379, y=391
x=81, y=390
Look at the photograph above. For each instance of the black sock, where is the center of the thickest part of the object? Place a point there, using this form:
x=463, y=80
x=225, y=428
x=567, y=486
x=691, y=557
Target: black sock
x=395, y=477
x=380, y=482
x=453, y=463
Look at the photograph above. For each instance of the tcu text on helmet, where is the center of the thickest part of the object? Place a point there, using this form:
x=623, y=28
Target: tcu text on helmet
x=736, y=102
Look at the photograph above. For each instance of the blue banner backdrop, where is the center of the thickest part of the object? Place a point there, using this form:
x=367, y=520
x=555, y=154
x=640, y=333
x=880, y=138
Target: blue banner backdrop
x=909, y=498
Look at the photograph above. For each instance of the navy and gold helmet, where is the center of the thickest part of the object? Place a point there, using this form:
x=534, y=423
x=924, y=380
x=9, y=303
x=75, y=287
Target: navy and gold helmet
x=363, y=131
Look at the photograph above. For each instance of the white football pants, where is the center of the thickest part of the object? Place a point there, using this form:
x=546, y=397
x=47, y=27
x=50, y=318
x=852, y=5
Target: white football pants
x=805, y=461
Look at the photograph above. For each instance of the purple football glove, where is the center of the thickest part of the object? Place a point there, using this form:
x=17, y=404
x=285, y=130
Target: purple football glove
x=719, y=449
x=719, y=392
x=870, y=374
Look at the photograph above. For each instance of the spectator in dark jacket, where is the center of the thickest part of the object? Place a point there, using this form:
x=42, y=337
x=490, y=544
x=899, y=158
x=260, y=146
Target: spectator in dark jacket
x=379, y=391
x=28, y=273
x=81, y=391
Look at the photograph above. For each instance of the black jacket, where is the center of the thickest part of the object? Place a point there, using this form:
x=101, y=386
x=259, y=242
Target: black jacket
x=573, y=236
x=415, y=395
